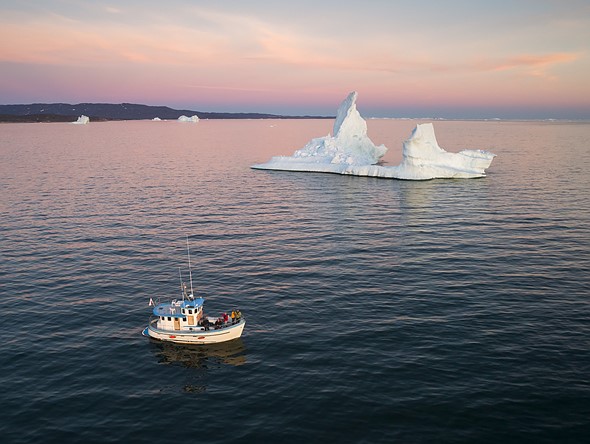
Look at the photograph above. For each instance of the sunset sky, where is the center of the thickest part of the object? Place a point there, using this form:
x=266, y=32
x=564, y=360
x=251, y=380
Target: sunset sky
x=454, y=59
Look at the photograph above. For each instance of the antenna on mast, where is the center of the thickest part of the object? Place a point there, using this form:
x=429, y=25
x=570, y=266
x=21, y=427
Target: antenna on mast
x=190, y=274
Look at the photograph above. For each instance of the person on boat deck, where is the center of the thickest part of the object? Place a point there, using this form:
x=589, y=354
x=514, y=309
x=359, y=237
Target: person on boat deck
x=218, y=323
x=238, y=315
x=233, y=316
x=225, y=318
x=206, y=323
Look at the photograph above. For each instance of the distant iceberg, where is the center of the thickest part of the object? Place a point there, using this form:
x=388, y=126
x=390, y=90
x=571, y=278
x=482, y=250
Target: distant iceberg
x=193, y=119
x=156, y=119
x=350, y=151
x=82, y=120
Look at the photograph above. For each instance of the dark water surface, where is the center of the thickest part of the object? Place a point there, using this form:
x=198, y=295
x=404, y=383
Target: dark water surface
x=378, y=310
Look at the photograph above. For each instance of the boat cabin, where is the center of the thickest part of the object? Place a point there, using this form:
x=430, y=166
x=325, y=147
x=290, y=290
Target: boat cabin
x=179, y=315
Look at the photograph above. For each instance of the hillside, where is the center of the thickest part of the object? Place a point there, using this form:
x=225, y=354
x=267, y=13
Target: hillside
x=53, y=112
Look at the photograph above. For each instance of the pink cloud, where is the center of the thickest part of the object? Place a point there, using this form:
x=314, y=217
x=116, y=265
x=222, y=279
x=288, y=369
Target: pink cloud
x=535, y=65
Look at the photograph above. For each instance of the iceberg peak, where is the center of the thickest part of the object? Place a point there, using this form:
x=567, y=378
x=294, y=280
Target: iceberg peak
x=348, y=119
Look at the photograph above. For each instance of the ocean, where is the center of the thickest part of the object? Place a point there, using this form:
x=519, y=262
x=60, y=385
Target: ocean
x=377, y=310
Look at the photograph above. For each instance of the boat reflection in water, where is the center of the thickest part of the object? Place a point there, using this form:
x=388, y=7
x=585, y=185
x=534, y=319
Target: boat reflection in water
x=200, y=356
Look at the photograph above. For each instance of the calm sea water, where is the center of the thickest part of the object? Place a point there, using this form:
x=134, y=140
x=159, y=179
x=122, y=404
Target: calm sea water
x=378, y=310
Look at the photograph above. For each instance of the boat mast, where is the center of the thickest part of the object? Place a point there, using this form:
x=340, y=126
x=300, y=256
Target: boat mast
x=190, y=274
x=182, y=286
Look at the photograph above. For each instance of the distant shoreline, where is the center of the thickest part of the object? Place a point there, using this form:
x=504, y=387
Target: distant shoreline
x=102, y=112
x=54, y=118
x=64, y=112
x=40, y=118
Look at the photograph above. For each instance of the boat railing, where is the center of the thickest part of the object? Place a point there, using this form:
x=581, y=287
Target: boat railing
x=153, y=322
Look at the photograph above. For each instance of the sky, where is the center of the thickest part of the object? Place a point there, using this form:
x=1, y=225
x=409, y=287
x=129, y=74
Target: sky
x=439, y=58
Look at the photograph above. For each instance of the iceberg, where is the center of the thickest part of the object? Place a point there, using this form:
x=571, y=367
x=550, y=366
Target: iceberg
x=156, y=119
x=82, y=120
x=351, y=152
x=423, y=158
x=349, y=146
x=192, y=119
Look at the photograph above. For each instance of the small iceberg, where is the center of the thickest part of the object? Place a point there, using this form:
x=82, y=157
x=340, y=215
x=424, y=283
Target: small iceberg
x=156, y=119
x=82, y=120
x=192, y=119
x=351, y=152
x=423, y=159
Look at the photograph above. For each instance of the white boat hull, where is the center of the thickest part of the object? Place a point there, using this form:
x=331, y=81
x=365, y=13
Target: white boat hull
x=211, y=336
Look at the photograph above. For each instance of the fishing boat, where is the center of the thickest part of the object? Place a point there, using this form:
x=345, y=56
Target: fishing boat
x=183, y=320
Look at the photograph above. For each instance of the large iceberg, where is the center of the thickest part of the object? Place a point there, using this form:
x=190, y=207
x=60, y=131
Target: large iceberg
x=349, y=146
x=350, y=151
x=192, y=119
x=82, y=120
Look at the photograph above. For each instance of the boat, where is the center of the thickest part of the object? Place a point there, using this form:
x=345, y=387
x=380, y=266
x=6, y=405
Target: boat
x=183, y=321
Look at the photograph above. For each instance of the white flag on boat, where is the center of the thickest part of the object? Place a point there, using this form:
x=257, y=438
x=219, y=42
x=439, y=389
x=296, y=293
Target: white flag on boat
x=151, y=303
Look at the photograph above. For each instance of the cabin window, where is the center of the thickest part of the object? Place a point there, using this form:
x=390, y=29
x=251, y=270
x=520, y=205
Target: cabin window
x=169, y=318
x=190, y=312
x=161, y=318
x=182, y=310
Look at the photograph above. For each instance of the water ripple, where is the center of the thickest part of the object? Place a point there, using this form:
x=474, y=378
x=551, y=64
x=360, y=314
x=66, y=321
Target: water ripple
x=378, y=311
